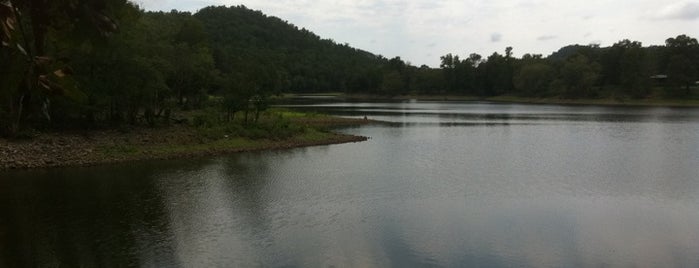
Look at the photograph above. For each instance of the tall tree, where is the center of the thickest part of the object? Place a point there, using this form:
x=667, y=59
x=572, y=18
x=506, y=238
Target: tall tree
x=534, y=79
x=633, y=70
x=577, y=77
x=682, y=65
x=38, y=75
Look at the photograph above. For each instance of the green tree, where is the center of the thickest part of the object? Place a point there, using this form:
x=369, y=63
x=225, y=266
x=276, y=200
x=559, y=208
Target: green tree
x=191, y=62
x=577, y=77
x=428, y=80
x=392, y=83
x=682, y=64
x=460, y=75
x=626, y=68
x=37, y=75
x=127, y=81
x=496, y=74
x=534, y=79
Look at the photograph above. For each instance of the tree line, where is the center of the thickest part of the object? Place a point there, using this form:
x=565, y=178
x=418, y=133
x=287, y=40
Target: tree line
x=624, y=70
x=84, y=63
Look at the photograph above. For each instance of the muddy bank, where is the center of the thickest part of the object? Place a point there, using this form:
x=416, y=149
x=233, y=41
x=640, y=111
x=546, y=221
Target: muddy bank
x=102, y=147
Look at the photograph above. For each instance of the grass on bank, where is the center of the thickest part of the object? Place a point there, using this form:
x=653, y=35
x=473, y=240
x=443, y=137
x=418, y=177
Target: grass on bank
x=207, y=132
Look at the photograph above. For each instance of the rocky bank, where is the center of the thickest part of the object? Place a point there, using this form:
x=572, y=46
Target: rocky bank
x=111, y=146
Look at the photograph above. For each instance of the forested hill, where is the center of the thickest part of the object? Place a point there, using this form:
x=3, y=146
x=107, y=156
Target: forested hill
x=250, y=44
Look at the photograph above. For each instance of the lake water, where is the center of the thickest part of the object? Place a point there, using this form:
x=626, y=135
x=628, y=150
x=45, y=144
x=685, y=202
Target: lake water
x=444, y=184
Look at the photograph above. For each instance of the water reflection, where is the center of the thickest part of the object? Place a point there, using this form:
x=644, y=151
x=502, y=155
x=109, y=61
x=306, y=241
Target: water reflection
x=479, y=111
x=424, y=191
x=204, y=211
x=64, y=218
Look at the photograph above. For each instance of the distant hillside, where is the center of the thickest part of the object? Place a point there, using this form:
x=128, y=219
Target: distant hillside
x=245, y=40
x=566, y=52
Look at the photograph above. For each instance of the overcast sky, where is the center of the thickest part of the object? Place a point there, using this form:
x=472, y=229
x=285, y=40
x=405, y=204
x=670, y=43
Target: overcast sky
x=419, y=31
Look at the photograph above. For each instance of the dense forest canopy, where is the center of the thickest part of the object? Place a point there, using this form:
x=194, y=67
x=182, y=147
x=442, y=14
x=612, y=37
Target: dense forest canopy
x=106, y=62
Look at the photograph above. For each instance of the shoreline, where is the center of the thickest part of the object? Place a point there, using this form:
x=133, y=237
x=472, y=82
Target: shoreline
x=52, y=150
x=647, y=102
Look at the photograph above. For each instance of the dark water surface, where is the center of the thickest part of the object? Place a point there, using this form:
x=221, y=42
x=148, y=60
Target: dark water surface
x=445, y=184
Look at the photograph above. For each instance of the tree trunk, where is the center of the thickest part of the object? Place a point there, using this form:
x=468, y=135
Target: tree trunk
x=166, y=116
x=150, y=116
x=14, y=129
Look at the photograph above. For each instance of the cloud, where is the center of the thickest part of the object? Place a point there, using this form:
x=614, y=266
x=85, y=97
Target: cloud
x=429, y=5
x=679, y=11
x=546, y=37
x=530, y=4
x=495, y=37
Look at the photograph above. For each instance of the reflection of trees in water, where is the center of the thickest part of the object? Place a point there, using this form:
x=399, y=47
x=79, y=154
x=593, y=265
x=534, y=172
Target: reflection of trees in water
x=217, y=212
x=99, y=217
x=246, y=179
